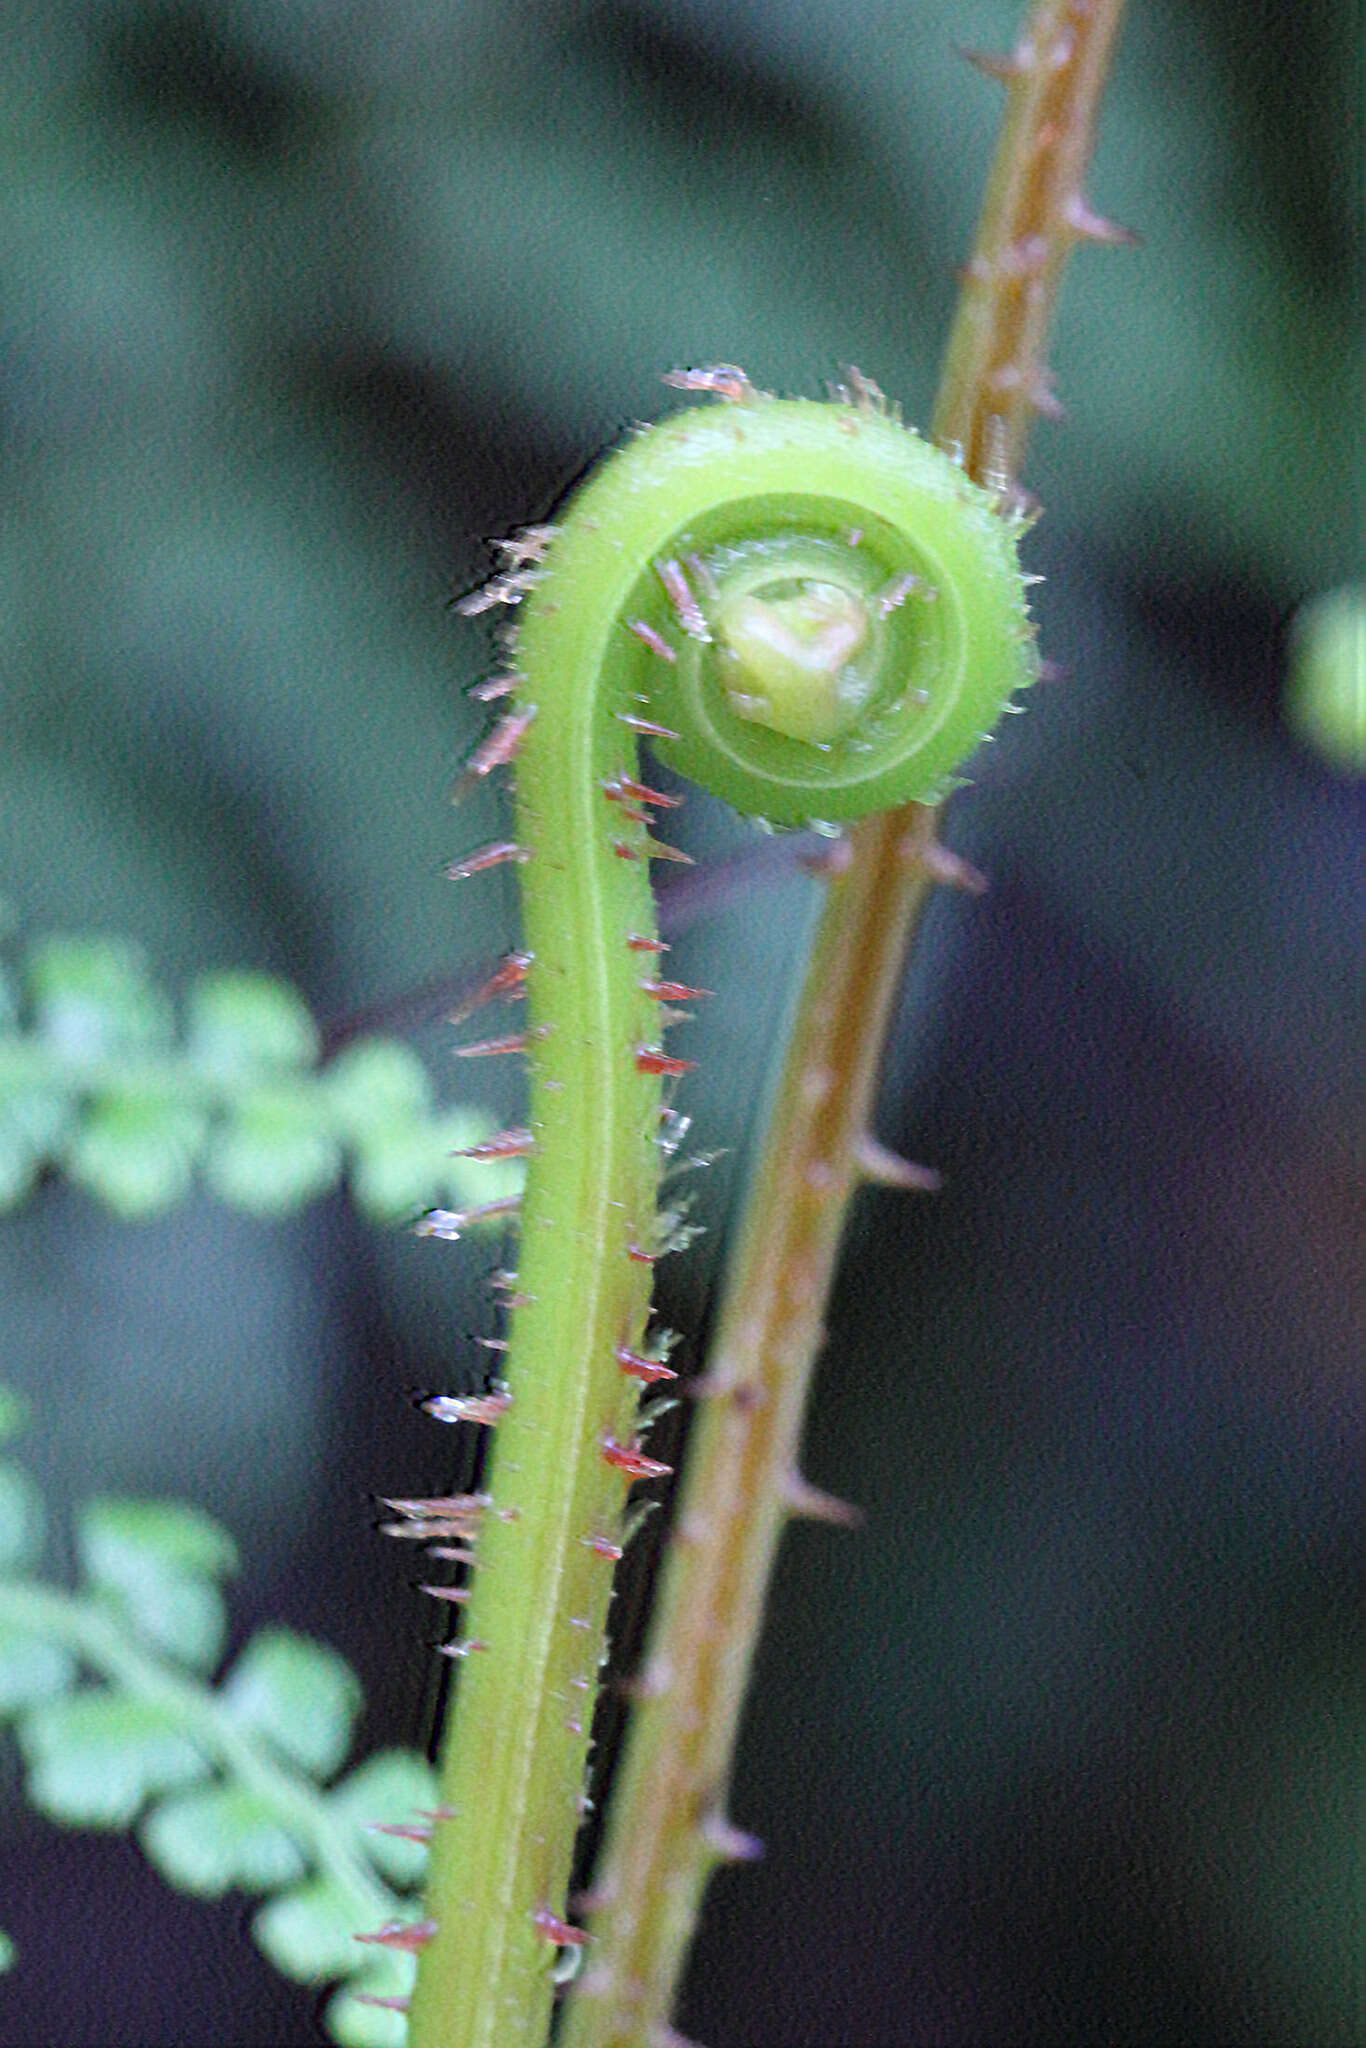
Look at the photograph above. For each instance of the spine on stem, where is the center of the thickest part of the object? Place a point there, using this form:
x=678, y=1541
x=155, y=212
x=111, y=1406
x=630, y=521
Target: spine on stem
x=816, y=615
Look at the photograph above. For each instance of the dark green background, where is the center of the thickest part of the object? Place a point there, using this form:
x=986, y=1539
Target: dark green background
x=300, y=303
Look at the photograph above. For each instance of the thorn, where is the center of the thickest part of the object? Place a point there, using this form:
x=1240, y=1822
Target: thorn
x=646, y=726
x=454, y=1507
x=559, y=1931
x=529, y=545
x=629, y=1458
x=514, y=1143
x=407, y=1935
x=656, y=642
x=640, y=1256
x=489, y=1048
x=731, y=1844
x=385, y=2004
x=495, y=687
x=460, y=1649
x=813, y=1504
x=652, y=1059
x=655, y=849
x=602, y=1546
x=618, y=787
x=1089, y=226
x=509, y=588
x=638, y=942
x=508, y=979
x=458, y=1596
x=894, y=594
x=723, y=380
x=678, y=590
x=886, y=1169
x=407, y=1831
x=453, y=1223
x=1004, y=66
x=502, y=745
x=485, y=1408
x=491, y=856
x=641, y=1367
x=950, y=868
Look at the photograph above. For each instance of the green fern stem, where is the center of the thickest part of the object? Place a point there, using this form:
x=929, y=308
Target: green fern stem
x=815, y=614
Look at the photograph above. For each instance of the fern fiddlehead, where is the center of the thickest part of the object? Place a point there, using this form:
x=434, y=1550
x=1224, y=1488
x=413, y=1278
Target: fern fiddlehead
x=816, y=615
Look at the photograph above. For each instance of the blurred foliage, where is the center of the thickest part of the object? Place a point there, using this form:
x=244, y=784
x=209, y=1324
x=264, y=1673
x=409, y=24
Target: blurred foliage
x=93, y=1081
x=229, y=1785
x=301, y=303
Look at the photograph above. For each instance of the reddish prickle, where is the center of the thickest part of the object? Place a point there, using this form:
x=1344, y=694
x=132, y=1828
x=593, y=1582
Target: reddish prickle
x=674, y=991
x=652, y=1059
x=559, y=1931
x=407, y=1935
x=490, y=856
x=630, y=1458
x=622, y=787
x=642, y=1368
x=646, y=726
x=513, y=1143
x=489, y=1048
x=502, y=745
x=657, y=644
x=508, y=979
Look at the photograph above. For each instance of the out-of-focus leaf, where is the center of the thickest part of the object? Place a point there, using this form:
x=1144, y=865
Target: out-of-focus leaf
x=214, y=1837
x=308, y=1933
x=158, y=1561
x=94, y=1757
x=272, y=1154
x=135, y=1149
x=241, y=1022
x=394, y=1785
x=1326, y=697
x=299, y=1693
x=31, y=1668
x=92, y=996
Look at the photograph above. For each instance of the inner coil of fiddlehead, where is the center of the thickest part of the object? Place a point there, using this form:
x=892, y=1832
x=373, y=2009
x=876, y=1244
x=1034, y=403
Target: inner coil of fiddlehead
x=816, y=660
